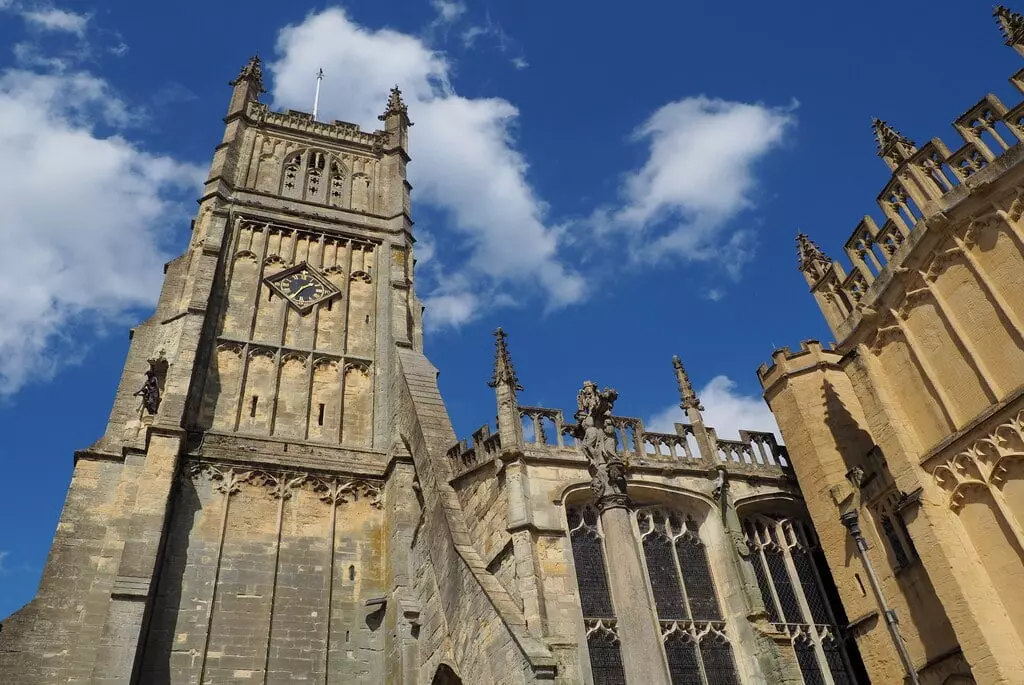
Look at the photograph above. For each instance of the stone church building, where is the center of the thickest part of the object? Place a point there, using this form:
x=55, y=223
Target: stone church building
x=279, y=495
x=907, y=435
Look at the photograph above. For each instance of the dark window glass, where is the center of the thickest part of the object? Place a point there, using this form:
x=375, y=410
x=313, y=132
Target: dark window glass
x=668, y=595
x=836, y=665
x=605, y=659
x=895, y=544
x=810, y=669
x=700, y=588
x=764, y=586
x=682, y=660
x=812, y=593
x=590, y=571
x=718, y=662
x=783, y=585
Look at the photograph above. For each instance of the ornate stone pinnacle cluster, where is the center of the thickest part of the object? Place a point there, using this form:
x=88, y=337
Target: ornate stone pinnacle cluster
x=395, y=105
x=890, y=140
x=809, y=253
x=504, y=371
x=1011, y=24
x=252, y=72
x=686, y=393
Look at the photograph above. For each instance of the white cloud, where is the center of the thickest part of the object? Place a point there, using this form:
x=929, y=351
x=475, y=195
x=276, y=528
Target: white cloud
x=519, y=63
x=725, y=410
x=53, y=19
x=448, y=11
x=83, y=217
x=465, y=160
x=698, y=176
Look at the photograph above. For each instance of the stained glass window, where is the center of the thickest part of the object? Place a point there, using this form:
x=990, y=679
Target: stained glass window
x=718, y=663
x=771, y=542
x=783, y=586
x=836, y=664
x=588, y=556
x=668, y=595
x=605, y=657
x=682, y=660
x=807, y=659
x=700, y=588
x=765, y=587
x=809, y=583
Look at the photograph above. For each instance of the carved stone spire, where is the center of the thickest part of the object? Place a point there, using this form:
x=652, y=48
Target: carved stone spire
x=251, y=73
x=504, y=371
x=686, y=393
x=1011, y=24
x=395, y=106
x=809, y=254
x=893, y=146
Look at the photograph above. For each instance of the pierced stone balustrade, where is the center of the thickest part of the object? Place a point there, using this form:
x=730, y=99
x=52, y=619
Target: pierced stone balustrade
x=545, y=426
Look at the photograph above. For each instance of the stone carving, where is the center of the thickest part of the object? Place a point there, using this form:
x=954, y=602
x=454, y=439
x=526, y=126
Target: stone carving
x=279, y=484
x=595, y=434
x=982, y=464
x=253, y=73
x=150, y=393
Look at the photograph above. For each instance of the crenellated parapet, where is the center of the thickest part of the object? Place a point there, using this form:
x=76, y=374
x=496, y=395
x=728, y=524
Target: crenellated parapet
x=932, y=187
x=785, y=362
x=304, y=123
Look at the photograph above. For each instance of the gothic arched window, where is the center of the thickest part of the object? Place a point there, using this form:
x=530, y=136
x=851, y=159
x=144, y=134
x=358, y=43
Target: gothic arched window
x=595, y=596
x=693, y=630
x=782, y=553
x=312, y=175
x=894, y=530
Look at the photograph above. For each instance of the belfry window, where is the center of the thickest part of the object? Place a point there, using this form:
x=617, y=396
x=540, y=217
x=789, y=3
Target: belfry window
x=313, y=176
x=692, y=627
x=595, y=597
x=782, y=553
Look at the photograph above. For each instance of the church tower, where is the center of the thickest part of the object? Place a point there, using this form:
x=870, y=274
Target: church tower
x=229, y=526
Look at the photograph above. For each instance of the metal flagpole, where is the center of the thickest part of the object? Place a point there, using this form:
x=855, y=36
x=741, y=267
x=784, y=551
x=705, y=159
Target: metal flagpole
x=316, y=98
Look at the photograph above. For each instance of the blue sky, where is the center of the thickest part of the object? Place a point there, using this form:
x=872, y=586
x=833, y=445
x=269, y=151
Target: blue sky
x=612, y=186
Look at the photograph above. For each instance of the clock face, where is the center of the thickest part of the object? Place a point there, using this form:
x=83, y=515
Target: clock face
x=303, y=286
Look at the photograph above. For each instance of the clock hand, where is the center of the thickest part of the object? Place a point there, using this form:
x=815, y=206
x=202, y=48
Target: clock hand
x=299, y=291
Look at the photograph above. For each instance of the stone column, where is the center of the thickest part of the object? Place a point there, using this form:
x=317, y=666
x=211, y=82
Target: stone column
x=643, y=658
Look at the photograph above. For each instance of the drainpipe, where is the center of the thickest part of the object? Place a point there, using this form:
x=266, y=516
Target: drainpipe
x=851, y=519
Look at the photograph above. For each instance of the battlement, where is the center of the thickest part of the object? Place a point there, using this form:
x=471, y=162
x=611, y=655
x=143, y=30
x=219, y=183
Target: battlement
x=926, y=183
x=811, y=355
x=303, y=122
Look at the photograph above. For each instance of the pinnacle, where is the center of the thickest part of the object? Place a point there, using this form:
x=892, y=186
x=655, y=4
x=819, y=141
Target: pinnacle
x=686, y=393
x=504, y=371
x=808, y=252
x=252, y=72
x=889, y=139
x=1011, y=24
x=395, y=105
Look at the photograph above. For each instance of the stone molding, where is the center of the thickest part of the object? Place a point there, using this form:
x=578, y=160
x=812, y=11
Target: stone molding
x=229, y=479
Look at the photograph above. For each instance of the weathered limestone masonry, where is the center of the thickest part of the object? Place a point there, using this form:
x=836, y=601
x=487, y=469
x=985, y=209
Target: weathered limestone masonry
x=911, y=427
x=635, y=556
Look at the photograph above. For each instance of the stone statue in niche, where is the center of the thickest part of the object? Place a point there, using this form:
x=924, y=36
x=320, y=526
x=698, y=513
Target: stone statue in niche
x=595, y=433
x=150, y=393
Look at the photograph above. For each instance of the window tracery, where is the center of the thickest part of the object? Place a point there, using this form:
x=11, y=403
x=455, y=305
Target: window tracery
x=693, y=630
x=783, y=554
x=314, y=176
x=595, y=596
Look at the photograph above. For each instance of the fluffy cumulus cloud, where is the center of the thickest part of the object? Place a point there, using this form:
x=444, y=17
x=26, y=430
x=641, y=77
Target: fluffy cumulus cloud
x=53, y=19
x=725, y=410
x=82, y=214
x=699, y=174
x=466, y=163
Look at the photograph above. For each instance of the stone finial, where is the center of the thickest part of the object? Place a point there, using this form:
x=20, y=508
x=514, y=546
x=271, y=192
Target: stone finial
x=395, y=105
x=252, y=72
x=1011, y=24
x=686, y=393
x=504, y=371
x=809, y=253
x=891, y=143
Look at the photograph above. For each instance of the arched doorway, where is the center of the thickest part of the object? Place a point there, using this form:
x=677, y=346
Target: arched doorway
x=445, y=676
